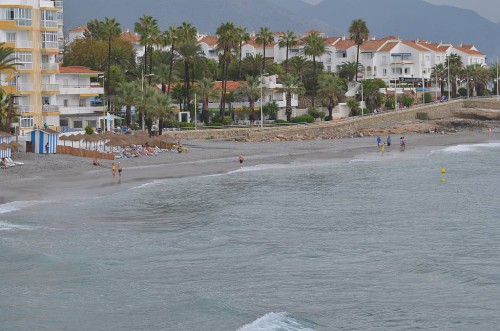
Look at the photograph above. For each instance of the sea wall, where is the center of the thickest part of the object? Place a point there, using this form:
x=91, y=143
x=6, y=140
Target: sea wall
x=348, y=126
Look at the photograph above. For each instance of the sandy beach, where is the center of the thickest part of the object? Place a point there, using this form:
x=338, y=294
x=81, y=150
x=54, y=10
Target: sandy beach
x=45, y=177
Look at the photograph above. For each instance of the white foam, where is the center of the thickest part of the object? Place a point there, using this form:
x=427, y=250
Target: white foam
x=275, y=322
x=4, y=226
x=18, y=205
x=469, y=148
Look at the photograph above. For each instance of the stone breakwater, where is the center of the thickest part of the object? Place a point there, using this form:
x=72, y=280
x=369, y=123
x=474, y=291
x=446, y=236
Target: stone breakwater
x=354, y=126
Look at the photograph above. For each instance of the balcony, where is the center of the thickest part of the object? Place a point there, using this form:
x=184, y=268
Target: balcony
x=50, y=87
x=50, y=108
x=24, y=44
x=24, y=66
x=24, y=87
x=50, y=45
x=77, y=110
x=90, y=90
x=50, y=66
x=23, y=109
x=49, y=24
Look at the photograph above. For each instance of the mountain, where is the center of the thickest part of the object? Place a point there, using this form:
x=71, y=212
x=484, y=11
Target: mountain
x=407, y=19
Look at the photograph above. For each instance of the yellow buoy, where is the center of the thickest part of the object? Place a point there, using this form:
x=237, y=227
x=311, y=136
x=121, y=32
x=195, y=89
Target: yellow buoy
x=443, y=170
x=443, y=180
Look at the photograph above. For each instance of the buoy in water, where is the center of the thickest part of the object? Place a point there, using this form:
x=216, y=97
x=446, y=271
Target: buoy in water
x=443, y=180
x=443, y=170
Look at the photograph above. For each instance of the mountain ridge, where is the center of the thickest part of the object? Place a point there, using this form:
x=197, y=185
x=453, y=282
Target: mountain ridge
x=383, y=17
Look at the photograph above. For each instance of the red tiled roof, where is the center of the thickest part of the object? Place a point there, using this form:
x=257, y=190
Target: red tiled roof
x=79, y=28
x=210, y=40
x=414, y=45
x=344, y=44
x=78, y=70
x=468, y=49
x=331, y=40
x=130, y=37
x=434, y=47
x=389, y=46
x=230, y=86
x=372, y=45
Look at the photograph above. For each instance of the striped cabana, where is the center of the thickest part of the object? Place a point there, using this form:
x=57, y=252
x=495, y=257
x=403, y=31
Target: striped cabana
x=40, y=138
x=5, y=138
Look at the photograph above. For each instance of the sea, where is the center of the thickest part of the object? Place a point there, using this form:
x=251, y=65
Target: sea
x=401, y=241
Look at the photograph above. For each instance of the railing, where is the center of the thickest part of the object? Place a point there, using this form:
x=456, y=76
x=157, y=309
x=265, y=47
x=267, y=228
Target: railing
x=50, y=66
x=24, y=87
x=58, y=4
x=24, y=109
x=24, y=66
x=24, y=44
x=49, y=45
x=50, y=87
x=50, y=108
x=49, y=24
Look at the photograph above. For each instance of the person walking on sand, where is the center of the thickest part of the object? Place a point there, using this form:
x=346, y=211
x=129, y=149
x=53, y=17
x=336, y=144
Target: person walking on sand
x=47, y=148
x=119, y=168
x=389, y=141
x=241, y=159
x=379, y=141
x=113, y=169
x=382, y=148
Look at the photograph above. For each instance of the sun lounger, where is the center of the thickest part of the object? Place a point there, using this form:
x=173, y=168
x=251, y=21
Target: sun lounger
x=9, y=160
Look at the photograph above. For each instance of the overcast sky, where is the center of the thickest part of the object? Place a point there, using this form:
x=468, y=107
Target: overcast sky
x=487, y=8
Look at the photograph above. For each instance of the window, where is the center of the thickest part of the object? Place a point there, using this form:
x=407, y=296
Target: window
x=384, y=72
x=78, y=124
x=22, y=16
x=24, y=60
x=397, y=71
x=427, y=58
x=63, y=122
x=45, y=100
x=83, y=103
x=92, y=124
x=407, y=71
x=11, y=37
x=49, y=39
x=65, y=102
x=27, y=122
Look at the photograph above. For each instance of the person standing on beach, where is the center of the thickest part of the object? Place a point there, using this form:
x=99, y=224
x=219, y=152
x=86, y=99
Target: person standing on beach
x=119, y=168
x=382, y=148
x=47, y=148
x=113, y=169
x=389, y=141
x=241, y=159
x=379, y=141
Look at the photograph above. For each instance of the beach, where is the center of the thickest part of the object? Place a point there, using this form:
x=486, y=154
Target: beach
x=62, y=176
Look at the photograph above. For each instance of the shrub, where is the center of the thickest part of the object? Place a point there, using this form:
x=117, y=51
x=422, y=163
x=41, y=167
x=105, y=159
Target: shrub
x=217, y=119
x=215, y=124
x=280, y=122
x=186, y=125
x=427, y=97
x=89, y=130
x=327, y=118
x=423, y=116
x=303, y=119
x=314, y=112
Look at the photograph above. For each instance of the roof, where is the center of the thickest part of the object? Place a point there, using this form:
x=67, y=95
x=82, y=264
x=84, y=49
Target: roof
x=210, y=40
x=371, y=45
x=78, y=70
x=389, y=46
x=331, y=40
x=230, y=86
x=414, y=45
x=344, y=44
x=131, y=37
x=79, y=28
x=434, y=47
x=468, y=49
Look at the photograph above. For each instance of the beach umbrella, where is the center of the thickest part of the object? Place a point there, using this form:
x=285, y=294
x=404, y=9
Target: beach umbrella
x=64, y=138
x=15, y=145
x=4, y=146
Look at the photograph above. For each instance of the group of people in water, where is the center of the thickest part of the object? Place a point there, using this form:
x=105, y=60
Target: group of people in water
x=381, y=145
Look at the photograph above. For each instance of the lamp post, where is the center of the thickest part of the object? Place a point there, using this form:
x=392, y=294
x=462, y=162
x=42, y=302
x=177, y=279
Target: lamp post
x=436, y=85
x=449, y=81
x=395, y=95
x=142, y=95
x=195, y=110
x=103, y=101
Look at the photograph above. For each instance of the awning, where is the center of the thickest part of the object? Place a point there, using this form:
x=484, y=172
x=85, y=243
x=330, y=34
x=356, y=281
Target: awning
x=89, y=95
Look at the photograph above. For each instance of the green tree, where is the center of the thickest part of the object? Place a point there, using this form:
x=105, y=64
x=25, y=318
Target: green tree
x=454, y=67
x=170, y=37
x=271, y=109
x=243, y=36
x=8, y=63
x=332, y=88
x=127, y=95
x=264, y=38
x=251, y=64
x=148, y=29
x=371, y=92
x=439, y=71
x=287, y=40
x=227, y=44
x=206, y=90
x=350, y=70
x=251, y=89
x=314, y=47
x=290, y=85
x=145, y=104
x=358, y=32
x=188, y=51
x=161, y=110
x=111, y=29
x=298, y=67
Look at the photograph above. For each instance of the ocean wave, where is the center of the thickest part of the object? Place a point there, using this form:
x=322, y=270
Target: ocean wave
x=467, y=148
x=18, y=205
x=275, y=322
x=4, y=226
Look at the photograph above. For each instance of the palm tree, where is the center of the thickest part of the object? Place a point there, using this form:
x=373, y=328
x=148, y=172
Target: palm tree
x=287, y=40
x=251, y=89
x=454, y=66
x=298, y=66
x=315, y=47
x=350, y=70
x=8, y=63
x=358, y=32
x=252, y=64
x=243, y=36
x=206, y=89
x=128, y=95
x=161, y=110
x=188, y=51
x=332, y=88
x=227, y=44
x=494, y=71
x=170, y=37
x=111, y=29
x=4, y=109
x=439, y=71
x=264, y=38
x=145, y=104
x=291, y=85
x=149, y=30
x=477, y=78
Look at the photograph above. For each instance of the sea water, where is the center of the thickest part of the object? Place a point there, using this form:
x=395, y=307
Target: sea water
x=371, y=243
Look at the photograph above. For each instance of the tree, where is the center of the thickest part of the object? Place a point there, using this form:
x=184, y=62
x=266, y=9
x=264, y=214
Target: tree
x=350, y=70
x=454, y=67
x=188, y=51
x=8, y=63
x=170, y=38
x=251, y=89
x=228, y=43
x=243, y=36
x=111, y=29
x=298, y=67
x=439, y=71
x=205, y=90
x=148, y=29
x=494, y=73
x=287, y=40
x=314, y=47
x=145, y=104
x=476, y=78
x=371, y=92
x=161, y=110
x=358, y=32
x=252, y=64
x=291, y=85
x=127, y=95
x=332, y=88
x=264, y=38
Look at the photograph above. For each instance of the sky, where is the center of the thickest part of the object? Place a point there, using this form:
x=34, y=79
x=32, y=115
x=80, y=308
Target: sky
x=489, y=9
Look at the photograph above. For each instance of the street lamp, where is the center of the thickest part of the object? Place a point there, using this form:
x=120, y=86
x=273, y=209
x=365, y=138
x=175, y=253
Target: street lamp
x=449, y=81
x=103, y=101
x=142, y=94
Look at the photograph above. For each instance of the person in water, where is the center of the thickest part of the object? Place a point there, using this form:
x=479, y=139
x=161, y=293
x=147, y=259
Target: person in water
x=113, y=169
x=241, y=158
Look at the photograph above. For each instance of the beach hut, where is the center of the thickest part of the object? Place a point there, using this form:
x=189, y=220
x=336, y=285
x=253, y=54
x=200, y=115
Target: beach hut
x=41, y=137
x=5, y=151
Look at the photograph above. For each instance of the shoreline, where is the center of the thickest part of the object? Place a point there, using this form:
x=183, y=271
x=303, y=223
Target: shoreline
x=65, y=177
